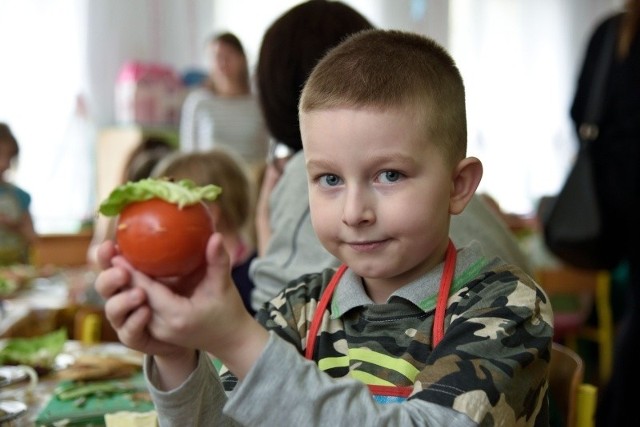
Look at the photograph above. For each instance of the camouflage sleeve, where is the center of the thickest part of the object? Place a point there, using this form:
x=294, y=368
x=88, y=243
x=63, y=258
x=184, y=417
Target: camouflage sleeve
x=493, y=361
x=490, y=368
x=284, y=389
x=286, y=314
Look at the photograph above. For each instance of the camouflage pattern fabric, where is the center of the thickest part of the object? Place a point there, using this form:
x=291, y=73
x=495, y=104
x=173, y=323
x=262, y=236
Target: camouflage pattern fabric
x=492, y=363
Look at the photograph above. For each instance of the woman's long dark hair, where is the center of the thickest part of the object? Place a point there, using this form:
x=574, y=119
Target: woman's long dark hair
x=290, y=49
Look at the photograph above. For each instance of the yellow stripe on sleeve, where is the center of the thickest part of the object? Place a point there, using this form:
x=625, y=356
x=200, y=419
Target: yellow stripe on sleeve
x=400, y=366
x=333, y=362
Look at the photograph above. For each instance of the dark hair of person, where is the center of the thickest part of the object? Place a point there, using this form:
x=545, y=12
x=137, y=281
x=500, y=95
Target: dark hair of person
x=291, y=47
x=145, y=157
x=629, y=28
x=229, y=39
x=6, y=137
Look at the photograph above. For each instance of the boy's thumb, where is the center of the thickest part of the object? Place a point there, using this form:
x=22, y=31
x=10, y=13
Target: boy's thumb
x=216, y=255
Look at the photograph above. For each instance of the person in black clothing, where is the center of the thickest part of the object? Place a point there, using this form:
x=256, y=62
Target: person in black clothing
x=616, y=165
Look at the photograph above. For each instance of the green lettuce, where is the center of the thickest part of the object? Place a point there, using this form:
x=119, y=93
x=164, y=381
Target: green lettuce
x=37, y=352
x=183, y=193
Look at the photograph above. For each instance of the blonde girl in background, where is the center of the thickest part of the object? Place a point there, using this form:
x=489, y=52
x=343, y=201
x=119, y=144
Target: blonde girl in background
x=231, y=211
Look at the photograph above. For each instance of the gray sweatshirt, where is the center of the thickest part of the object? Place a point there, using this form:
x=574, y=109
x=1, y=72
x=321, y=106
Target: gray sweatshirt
x=201, y=400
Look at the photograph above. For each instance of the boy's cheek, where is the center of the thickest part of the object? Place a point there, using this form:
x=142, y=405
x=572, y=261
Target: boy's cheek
x=324, y=220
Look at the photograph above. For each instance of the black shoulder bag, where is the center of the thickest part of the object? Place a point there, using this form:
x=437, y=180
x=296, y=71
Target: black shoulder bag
x=573, y=229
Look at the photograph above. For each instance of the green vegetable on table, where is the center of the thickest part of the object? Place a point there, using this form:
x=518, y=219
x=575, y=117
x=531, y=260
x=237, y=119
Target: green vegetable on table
x=7, y=286
x=37, y=352
x=77, y=390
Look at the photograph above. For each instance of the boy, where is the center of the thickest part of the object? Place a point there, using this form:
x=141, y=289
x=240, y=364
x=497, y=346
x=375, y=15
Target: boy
x=441, y=336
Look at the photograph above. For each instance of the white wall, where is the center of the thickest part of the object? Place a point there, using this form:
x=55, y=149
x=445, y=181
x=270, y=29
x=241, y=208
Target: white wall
x=519, y=60
x=249, y=19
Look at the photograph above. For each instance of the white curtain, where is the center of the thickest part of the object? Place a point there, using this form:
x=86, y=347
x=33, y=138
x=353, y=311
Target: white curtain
x=519, y=59
x=56, y=52
x=42, y=43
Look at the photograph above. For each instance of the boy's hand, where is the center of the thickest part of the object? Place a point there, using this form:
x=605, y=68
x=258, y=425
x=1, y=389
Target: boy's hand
x=126, y=305
x=201, y=311
x=209, y=316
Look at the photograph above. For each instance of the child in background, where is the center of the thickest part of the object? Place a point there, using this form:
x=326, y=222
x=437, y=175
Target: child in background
x=410, y=331
x=230, y=211
x=17, y=233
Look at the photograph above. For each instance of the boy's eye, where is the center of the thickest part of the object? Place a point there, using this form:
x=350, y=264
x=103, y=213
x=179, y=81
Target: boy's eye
x=389, y=176
x=329, y=180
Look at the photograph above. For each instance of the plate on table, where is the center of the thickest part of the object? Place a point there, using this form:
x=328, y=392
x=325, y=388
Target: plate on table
x=11, y=375
x=14, y=278
x=75, y=349
x=11, y=409
x=97, y=361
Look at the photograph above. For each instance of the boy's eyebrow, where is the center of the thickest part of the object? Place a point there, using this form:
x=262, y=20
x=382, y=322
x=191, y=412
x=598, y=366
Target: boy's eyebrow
x=395, y=157
x=319, y=164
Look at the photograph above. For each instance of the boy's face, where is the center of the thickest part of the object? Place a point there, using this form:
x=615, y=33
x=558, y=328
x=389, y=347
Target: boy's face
x=379, y=192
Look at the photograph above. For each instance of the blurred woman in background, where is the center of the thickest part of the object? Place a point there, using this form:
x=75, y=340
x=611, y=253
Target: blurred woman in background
x=223, y=111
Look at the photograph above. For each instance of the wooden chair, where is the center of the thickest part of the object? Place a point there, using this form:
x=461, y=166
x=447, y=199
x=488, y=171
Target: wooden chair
x=584, y=289
x=575, y=399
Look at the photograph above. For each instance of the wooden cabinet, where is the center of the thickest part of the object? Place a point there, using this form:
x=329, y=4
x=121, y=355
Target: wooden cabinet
x=115, y=146
x=62, y=250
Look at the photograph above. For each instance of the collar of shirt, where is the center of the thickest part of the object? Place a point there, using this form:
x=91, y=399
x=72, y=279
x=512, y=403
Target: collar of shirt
x=422, y=292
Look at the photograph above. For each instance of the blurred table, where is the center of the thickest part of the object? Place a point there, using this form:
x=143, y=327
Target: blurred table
x=39, y=398
x=62, y=250
x=48, y=303
x=34, y=309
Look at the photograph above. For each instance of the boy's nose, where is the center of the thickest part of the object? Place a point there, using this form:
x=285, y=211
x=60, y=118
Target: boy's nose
x=358, y=208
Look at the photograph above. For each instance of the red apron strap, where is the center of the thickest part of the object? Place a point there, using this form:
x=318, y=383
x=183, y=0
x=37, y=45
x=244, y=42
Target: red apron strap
x=325, y=298
x=443, y=294
x=441, y=303
x=390, y=390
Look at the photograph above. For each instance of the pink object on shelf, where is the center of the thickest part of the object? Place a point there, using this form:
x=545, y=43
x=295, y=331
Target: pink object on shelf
x=148, y=94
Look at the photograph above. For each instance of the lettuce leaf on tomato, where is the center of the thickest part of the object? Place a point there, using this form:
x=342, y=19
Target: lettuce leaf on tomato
x=183, y=193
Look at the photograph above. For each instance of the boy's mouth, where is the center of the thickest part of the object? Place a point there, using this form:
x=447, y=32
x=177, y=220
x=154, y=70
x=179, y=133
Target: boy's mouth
x=368, y=246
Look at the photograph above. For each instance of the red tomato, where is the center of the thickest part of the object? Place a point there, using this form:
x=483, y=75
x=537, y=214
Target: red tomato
x=162, y=240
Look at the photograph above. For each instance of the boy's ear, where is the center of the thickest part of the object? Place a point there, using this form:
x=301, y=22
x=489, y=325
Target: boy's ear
x=465, y=180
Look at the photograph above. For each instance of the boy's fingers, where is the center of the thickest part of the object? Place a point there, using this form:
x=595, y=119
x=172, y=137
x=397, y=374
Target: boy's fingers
x=217, y=258
x=133, y=330
x=106, y=251
x=111, y=281
x=121, y=305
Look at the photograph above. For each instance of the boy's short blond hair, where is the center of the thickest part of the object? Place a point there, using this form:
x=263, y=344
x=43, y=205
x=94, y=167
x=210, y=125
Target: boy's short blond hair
x=219, y=167
x=383, y=69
